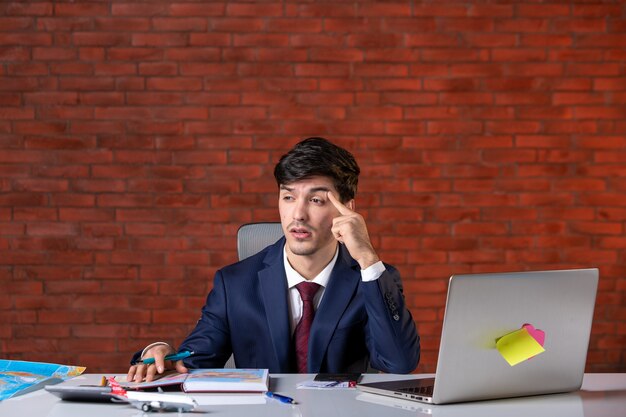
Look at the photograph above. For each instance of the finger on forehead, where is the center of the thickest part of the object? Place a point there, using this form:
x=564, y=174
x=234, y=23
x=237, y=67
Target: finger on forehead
x=338, y=204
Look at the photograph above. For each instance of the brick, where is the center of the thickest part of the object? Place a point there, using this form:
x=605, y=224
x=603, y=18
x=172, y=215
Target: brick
x=599, y=112
x=267, y=10
x=57, y=98
x=374, y=41
x=266, y=40
x=179, y=24
x=537, y=69
x=331, y=70
x=554, y=40
x=10, y=99
x=440, y=10
x=100, y=39
x=513, y=127
x=86, y=83
x=491, y=40
x=59, y=316
x=518, y=54
x=596, y=228
x=575, y=213
x=138, y=9
x=452, y=54
x=492, y=10
x=28, y=9
x=387, y=9
x=607, y=69
x=453, y=127
x=352, y=25
x=21, y=113
x=575, y=55
x=30, y=39
x=336, y=55
x=22, y=69
x=244, y=24
x=323, y=9
x=114, y=24
x=596, y=10
x=282, y=54
x=17, y=84
x=602, y=40
x=143, y=54
x=475, y=70
x=538, y=112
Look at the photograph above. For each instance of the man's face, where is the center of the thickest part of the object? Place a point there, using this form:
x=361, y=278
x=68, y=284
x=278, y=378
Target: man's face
x=307, y=215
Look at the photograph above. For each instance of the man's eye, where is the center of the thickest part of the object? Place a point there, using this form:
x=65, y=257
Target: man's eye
x=287, y=197
x=317, y=200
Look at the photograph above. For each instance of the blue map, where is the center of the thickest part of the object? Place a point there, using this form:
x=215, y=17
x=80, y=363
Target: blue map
x=19, y=376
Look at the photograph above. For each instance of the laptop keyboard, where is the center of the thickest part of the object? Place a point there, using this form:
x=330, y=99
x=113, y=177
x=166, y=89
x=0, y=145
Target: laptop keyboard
x=426, y=391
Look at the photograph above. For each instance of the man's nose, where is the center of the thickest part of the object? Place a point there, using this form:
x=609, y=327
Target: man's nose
x=300, y=211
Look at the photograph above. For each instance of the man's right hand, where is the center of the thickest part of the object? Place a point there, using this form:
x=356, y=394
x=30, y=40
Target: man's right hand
x=141, y=372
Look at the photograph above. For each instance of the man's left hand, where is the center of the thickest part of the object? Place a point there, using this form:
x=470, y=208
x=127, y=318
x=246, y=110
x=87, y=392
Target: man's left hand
x=349, y=228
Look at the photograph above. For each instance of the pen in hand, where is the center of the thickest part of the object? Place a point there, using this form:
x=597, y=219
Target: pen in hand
x=172, y=357
x=281, y=398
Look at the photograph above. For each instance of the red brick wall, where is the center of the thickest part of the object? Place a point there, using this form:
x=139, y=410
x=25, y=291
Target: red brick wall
x=135, y=137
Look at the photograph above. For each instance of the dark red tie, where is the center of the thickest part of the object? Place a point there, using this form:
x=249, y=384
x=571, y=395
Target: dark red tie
x=307, y=291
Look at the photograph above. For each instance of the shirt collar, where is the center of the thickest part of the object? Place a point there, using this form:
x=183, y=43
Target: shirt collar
x=294, y=278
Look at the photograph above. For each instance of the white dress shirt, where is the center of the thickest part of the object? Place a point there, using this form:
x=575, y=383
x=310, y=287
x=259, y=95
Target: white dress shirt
x=370, y=273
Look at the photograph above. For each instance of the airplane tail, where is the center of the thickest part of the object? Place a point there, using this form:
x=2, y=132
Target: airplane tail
x=116, y=388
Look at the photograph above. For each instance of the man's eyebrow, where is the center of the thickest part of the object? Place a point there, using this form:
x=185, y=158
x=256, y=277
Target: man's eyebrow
x=317, y=189
x=311, y=191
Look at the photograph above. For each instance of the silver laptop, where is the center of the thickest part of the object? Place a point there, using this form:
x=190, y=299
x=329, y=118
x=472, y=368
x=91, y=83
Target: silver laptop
x=481, y=308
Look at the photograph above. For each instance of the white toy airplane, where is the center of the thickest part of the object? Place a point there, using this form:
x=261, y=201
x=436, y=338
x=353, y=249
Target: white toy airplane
x=152, y=401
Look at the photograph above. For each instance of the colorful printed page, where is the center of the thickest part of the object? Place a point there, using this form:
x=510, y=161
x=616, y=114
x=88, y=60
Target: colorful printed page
x=22, y=376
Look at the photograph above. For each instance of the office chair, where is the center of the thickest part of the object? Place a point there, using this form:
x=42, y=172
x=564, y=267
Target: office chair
x=251, y=238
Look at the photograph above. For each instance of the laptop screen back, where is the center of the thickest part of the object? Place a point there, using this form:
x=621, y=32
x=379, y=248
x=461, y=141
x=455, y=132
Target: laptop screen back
x=484, y=307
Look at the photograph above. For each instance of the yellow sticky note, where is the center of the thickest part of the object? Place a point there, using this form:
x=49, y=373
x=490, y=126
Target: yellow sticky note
x=518, y=346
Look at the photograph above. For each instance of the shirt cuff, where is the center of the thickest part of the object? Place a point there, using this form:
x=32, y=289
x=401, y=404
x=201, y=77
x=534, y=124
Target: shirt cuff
x=143, y=352
x=373, y=272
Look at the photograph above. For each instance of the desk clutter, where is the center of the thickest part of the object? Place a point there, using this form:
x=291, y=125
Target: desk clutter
x=20, y=377
x=223, y=386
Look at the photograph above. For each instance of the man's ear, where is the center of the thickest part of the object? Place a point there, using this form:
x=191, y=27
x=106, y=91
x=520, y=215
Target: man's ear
x=351, y=204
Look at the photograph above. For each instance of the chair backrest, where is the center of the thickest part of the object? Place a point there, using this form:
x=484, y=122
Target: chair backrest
x=253, y=237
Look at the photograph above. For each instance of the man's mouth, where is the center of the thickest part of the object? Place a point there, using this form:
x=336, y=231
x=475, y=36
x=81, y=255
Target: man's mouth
x=299, y=232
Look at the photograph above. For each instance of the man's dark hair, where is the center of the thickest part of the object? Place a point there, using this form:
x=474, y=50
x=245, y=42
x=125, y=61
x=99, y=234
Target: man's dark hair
x=318, y=157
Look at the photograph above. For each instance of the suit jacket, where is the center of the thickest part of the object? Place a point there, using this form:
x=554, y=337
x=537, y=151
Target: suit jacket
x=356, y=323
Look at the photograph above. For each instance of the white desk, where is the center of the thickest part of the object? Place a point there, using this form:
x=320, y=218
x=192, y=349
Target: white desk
x=602, y=395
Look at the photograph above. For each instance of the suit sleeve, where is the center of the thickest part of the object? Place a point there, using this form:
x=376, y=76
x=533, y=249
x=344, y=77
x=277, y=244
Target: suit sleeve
x=210, y=339
x=391, y=335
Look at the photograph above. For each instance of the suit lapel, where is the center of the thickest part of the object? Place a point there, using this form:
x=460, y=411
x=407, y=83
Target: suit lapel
x=337, y=295
x=273, y=284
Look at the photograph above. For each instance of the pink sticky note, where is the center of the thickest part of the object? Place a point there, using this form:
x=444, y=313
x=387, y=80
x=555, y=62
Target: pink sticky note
x=538, y=335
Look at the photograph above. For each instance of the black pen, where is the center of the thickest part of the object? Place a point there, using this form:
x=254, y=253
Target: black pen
x=281, y=398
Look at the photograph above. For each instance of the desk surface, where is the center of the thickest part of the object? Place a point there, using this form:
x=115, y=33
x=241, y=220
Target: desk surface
x=602, y=395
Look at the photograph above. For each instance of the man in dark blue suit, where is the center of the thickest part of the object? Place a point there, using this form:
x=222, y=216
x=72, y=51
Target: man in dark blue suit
x=255, y=310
